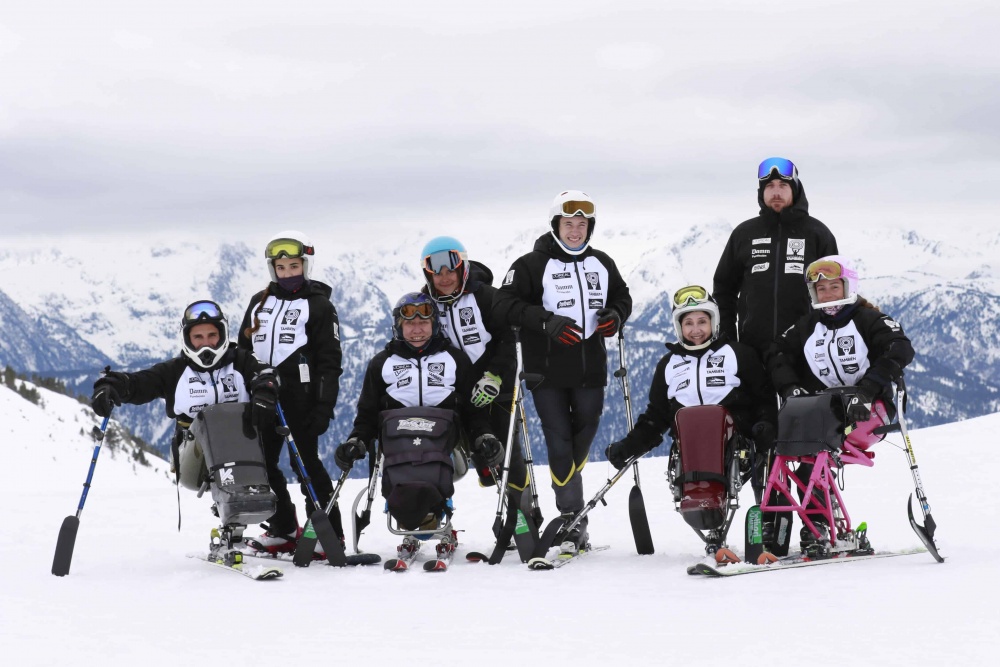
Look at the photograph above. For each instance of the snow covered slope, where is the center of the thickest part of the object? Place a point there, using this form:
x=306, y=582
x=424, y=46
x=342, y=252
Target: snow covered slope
x=134, y=598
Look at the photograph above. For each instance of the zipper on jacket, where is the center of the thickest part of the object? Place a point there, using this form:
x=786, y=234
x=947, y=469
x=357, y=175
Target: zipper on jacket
x=833, y=364
x=583, y=318
x=777, y=277
x=420, y=382
x=215, y=384
x=697, y=378
x=454, y=329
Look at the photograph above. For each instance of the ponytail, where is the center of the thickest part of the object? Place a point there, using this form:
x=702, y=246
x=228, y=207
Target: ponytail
x=249, y=331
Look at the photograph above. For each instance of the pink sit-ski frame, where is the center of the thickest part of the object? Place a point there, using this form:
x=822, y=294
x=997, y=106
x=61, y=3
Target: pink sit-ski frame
x=822, y=480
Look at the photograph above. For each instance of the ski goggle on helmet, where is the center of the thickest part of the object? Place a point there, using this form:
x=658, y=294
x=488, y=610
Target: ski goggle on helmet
x=568, y=204
x=293, y=244
x=204, y=312
x=440, y=253
x=787, y=171
x=693, y=299
x=832, y=267
x=411, y=306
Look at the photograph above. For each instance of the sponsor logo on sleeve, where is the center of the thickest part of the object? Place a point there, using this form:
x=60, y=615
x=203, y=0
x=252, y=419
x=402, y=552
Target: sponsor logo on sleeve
x=336, y=331
x=509, y=278
x=757, y=268
x=761, y=241
x=892, y=324
x=793, y=267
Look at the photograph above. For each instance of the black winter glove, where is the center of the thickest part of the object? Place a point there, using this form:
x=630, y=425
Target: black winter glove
x=263, y=398
x=346, y=454
x=793, y=390
x=618, y=453
x=608, y=322
x=763, y=436
x=562, y=329
x=488, y=449
x=859, y=406
x=109, y=390
x=317, y=421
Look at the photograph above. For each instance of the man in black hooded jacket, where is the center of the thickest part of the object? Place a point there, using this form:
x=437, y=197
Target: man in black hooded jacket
x=759, y=282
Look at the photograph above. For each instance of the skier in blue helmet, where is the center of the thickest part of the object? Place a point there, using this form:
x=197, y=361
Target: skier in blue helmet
x=463, y=292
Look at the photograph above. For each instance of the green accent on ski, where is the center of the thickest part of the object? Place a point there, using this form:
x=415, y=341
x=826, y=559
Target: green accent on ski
x=309, y=531
x=522, y=524
x=754, y=523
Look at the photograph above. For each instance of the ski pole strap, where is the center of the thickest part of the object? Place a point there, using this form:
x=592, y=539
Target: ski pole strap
x=701, y=477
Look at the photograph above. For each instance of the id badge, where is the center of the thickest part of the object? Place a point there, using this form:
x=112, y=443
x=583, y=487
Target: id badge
x=303, y=373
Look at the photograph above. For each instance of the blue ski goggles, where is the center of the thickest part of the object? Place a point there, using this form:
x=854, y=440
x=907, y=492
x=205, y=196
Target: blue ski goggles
x=202, y=310
x=785, y=168
x=443, y=259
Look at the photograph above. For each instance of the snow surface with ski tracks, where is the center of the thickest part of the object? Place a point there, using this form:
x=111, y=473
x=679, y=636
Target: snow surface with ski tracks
x=132, y=597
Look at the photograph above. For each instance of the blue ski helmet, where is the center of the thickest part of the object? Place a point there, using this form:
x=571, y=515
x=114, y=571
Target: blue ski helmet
x=445, y=252
x=410, y=306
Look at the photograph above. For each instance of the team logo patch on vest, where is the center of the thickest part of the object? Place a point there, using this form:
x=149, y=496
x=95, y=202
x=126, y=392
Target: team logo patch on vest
x=416, y=424
x=717, y=361
x=793, y=267
x=435, y=375
x=471, y=339
x=286, y=338
x=593, y=279
x=595, y=304
x=851, y=368
x=291, y=316
x=796, y=249
x=846, y=345
x=228, y=383
x=715, y=382
x=468, y=316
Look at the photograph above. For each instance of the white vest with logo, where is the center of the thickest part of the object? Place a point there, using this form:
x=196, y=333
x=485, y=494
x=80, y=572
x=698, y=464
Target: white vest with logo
x=704, y=380
x=462, y=322
x=196, y=390
x=838, y=357
x=425, y=381
x=576, y=289
x=282, y=329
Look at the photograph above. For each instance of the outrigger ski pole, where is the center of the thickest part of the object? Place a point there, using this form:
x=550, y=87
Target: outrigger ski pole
x=307, y=543
x=319, y=519
x=636, y=504
x=558, y=526
x=362, y=520
x=67, y=532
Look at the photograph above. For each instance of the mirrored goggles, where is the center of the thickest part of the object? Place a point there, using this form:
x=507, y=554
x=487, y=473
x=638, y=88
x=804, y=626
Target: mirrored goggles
x=442, y=259
x=584, y=208
x=785, y=168
x=202, y=310
x=692, y=294
x=424, y=311
x=825, y=269
x=279, y=248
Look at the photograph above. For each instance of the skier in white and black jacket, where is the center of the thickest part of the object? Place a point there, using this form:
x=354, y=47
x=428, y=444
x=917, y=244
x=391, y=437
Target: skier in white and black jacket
x=418, y=368
x=707, y=369
x=464, y=294
x=210, y=370
x=567, y=297
x=758, y=280
x=293, y=326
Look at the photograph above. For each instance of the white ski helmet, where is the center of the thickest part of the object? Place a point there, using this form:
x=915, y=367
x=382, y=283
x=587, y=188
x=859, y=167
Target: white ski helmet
x=289, y=243
x=692, y=299
x=204, y=312
x=569, y=203
x=832, y=267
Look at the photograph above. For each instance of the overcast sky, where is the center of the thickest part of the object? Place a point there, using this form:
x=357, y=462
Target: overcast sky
x=233, y=116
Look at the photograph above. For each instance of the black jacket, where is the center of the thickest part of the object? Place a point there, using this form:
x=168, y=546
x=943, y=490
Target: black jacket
x=530, y=294
x=681, y=380
x=498, y=357
x=180, y=382
x=315, y=344
x=821, y=351
x=400, y=377
x=761, y=275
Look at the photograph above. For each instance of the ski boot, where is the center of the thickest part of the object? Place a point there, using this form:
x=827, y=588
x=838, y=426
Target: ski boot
x=446, y=547
x=274, y=543
x=407, y=551
x=575, y=541
x=815, y=547
x=221, y=548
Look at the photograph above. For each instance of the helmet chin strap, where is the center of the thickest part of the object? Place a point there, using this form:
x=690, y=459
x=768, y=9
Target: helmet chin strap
x=687, y=345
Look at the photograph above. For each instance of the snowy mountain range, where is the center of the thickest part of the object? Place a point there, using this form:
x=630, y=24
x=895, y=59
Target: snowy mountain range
x=69, y=308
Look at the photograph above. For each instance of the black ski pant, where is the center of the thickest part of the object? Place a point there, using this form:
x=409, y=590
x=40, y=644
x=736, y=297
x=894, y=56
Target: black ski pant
x=284, y=520
x=499, y=419
x=569, y=417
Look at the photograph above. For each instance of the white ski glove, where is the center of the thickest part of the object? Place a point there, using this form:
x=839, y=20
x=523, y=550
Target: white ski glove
x=486, y=390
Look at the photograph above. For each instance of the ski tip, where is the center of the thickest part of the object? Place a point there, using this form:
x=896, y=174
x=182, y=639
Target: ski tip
x=476, y=557
x=363, y=559
x=540, y=564
x=396, y=565
x=435, y=566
